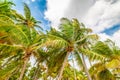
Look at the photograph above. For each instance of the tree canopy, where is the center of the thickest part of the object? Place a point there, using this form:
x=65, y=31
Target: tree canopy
x=29, y=53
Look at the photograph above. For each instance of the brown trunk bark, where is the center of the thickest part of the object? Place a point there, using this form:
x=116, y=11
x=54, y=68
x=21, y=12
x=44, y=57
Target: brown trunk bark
x=63, y=65
x=23, y=69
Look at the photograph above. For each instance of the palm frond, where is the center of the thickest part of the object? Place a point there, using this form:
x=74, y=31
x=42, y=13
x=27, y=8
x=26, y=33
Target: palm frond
x=92, y=54
x=9, y=50
x=55, y=61
x=78, y=59
x=27, y=12
x=5, y=72
x=102, y=48
x=39, y=27
x=113, y=64
x=17, y=15
x=105, y=75
x=95, y=68
x=6, y=19
x=66, y=28
x=13, y=31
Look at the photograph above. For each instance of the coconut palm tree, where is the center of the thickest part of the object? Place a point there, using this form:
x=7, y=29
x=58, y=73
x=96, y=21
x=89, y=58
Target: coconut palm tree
x=15, y=39
x=24, y=42
x=26, y=19
x=70, y=38
x=111, y=61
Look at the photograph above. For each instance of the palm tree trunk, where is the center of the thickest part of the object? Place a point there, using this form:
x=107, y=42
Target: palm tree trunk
x=63, y=65
x=84, y=64
x=85, y=67
x=94, y=77
x=74, y=69
x=36, y=74
x=23, y=68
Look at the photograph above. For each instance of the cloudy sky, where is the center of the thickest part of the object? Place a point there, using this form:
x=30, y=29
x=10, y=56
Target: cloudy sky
x=103, y=16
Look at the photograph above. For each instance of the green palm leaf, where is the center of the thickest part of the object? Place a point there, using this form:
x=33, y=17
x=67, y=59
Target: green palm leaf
x=13, y=32
x=27, y=12
x=5, y=72
x=9, y=50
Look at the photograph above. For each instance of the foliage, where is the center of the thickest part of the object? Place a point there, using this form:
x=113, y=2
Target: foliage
x=22, y=39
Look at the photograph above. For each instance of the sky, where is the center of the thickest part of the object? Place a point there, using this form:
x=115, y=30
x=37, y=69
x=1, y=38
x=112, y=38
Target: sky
x=102, y=16
x=37, y=8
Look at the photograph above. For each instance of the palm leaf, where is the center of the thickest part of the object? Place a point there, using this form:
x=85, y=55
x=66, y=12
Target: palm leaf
x=92, y=54
x=106, y=75
x=9, y=50
x=27, y=12
x=8, y=69
x=6, y=19
x=78, y=59
x=113, y=64
x=13, y=31
x=102, y=48
x=66, y=28
x=17, y=15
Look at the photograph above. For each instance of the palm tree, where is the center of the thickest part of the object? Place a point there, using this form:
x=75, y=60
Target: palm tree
x=110, y=62
x=23, y=43
x=70, y=38
x=20, y=39
x=27, y=19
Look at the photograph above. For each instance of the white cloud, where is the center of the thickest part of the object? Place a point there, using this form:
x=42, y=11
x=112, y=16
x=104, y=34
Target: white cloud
x=103, y=14
x=57, y=9
x=77, y=8
x=104, y=36
x=26, y=1
x=32, y=0
x=96, y=14
x=115, y=37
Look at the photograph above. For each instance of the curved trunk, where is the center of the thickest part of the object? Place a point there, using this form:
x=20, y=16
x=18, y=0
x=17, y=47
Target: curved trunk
x=74, y=69
x=84, y=64
x=63, y=65
x=85, y=67
x=35, y=78
x=36, y=74
x=23, y=69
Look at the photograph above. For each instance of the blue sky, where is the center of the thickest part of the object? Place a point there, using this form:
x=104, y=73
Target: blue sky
x=103, y=16
x=37, y=7
x=112, y=30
